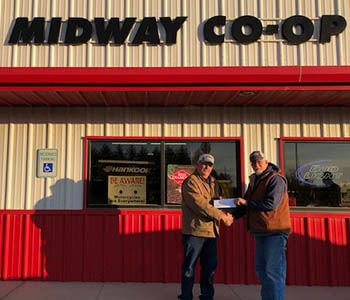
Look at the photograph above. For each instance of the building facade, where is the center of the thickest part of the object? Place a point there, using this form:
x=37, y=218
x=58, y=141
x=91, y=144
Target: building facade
x=105, y=105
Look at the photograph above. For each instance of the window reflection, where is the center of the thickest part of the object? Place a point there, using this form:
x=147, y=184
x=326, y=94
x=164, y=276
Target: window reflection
x=318, y=173
x=180, y=160
x=129, y=173
x=124, y=173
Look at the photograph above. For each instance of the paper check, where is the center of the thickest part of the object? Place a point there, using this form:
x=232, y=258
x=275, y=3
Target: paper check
x=225, y=203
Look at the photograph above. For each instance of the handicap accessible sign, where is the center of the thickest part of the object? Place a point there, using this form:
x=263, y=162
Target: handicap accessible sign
x=47, y=163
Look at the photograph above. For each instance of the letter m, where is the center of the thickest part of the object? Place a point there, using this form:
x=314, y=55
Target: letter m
x=23, y=32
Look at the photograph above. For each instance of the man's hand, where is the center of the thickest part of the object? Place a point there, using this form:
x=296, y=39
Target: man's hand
x=227, y=219
x=241, y=202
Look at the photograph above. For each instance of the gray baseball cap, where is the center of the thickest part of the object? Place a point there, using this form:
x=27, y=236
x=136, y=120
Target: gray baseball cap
x=206, y=158
x=256, y=156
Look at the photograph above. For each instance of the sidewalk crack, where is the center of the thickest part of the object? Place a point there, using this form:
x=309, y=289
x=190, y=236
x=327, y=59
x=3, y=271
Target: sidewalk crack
x=234, y=293
x=11, y=291
x=100, y=291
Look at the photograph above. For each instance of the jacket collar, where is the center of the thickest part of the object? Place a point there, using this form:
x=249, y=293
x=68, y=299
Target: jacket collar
x=206, y=182
x=255, y=179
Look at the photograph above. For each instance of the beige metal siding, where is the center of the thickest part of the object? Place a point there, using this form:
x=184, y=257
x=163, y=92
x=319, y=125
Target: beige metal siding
x=190, y=49
x=25, y=130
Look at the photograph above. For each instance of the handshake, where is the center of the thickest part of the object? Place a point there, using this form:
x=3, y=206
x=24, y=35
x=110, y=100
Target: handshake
x=227, y=219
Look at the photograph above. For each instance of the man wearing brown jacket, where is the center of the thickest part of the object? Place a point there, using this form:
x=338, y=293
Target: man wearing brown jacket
x=269, y=222
x=200, y=228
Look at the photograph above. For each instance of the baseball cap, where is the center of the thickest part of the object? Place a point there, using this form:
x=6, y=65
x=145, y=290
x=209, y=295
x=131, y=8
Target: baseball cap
x=256, y=156
x=206, y=158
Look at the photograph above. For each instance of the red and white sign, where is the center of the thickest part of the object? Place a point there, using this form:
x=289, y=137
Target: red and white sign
x=179, y=176
x=176, y=176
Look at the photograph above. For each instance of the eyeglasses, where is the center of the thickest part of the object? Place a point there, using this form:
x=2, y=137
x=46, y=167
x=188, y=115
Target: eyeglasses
x=209, y=164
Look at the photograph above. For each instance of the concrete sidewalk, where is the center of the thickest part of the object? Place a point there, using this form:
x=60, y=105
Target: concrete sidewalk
x=38, y=290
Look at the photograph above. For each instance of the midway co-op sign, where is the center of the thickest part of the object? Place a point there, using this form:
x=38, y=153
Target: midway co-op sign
x=244, y=30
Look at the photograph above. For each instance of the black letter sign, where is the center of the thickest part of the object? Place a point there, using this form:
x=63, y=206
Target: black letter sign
x=147, y=32
x=296, y=39
x=331, y=25
x=251, y=22
x=73, y=25
x=171, y=28
x=113, y=29
x=22, y=31
x=54, y=32
x=209, y=35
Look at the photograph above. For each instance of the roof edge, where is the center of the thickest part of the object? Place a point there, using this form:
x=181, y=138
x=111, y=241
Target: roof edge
x=171, y=78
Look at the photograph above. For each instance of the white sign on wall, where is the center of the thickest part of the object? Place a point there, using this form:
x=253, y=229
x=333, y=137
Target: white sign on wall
x=47, y=163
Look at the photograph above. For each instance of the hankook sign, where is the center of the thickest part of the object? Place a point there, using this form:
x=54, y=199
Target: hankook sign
x=245, y=29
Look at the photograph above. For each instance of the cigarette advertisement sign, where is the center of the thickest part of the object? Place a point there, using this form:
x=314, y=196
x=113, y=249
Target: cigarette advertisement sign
x=127, y=190
x=176, y=175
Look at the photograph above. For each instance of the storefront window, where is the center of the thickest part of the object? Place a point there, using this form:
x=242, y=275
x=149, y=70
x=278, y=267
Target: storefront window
x=150, y=173
x=318, y=173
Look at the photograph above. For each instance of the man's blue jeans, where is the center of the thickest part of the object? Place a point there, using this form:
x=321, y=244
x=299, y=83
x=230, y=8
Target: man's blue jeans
x=271, y=264
x=204, y=249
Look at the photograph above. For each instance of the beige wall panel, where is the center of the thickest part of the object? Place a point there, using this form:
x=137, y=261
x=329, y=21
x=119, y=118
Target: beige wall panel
x=344, y=6
x=172, y=54
x=190, y=49
x=24, y=131
x=153, y=8
x=291, y=123
x=68, y=140
x=4, y=132
x=59, y=55
x=114, y=122
x=95, y=53
x=78, y=55
x=40, y=54
x=134, y=122
x=212, y=121
x=252, y=129
x=210, y=53
x=71, y=160
x=96, y=126
x=192, y=122
x=231, y=121
x=6, y=53
x=271, y=130
x=331, y=118
x=311, y=119
x=173, y=123
x=17, y=165
x=57, y=140
x=35, y=186
x=345, y=122
x=21, y=55
x=74, y=166
x=153, y=123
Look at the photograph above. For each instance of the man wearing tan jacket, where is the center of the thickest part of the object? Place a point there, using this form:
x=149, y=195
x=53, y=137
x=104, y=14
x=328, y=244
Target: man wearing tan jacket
x=200, y=228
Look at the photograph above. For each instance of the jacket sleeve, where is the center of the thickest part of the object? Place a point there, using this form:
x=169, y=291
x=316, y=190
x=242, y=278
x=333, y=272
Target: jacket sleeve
x=239, y=211
x=193, y=198
x=274, y=194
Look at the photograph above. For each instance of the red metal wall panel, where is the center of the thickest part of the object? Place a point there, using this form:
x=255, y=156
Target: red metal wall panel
x=73, y=248
x=2, y=243
x=145, y=246
x=12, y=265
x=113, y=254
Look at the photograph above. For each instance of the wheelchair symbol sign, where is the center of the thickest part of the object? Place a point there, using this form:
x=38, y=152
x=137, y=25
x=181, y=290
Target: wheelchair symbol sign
x=47, y=163
x=47, y=167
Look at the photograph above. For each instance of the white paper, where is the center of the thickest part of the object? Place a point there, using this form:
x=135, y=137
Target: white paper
x=225, y=203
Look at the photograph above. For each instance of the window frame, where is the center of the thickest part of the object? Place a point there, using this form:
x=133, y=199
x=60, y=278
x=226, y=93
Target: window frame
x=282, y=140
x=163, y=205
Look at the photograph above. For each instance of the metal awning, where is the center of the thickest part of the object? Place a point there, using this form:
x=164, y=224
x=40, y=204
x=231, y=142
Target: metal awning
x=179, y=86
